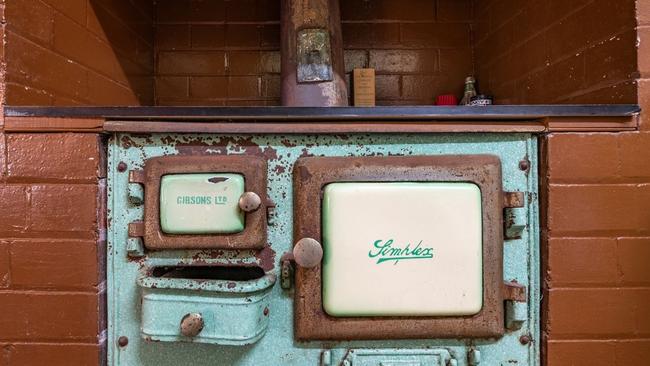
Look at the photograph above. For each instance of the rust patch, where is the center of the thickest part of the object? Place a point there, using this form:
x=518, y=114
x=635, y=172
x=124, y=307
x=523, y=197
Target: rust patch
x=223, y=145
x=266, y=258
x=279, y=169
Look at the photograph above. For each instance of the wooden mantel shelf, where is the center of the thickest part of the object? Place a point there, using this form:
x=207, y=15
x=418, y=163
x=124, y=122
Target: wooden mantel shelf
x=286, y=120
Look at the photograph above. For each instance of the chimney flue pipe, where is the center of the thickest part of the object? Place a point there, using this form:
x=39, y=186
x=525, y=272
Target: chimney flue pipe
x=313, y=69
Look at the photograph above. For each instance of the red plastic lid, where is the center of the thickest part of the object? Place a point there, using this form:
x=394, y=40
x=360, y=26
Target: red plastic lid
x=446, y=99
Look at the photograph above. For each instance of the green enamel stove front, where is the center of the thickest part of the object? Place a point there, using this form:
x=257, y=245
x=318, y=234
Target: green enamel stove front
x=390, y=249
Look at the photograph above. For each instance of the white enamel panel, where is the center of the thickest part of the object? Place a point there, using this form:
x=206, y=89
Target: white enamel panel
x=201, y=203
x=402, y=249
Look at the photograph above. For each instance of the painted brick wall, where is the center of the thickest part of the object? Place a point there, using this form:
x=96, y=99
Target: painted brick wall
x=52, y=281
x=597, y=239
x=217, y=52
x=226, y=52
x=79, y=52
x=556, y=51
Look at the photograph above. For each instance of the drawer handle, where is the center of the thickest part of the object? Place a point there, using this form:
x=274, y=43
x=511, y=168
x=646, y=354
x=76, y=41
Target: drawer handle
x=307, y=252
x=191, y=324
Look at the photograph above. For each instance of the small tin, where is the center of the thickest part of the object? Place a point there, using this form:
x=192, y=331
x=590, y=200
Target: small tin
x=481, y=100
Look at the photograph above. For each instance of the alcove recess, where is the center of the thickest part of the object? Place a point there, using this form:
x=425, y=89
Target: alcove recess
x=227, y=52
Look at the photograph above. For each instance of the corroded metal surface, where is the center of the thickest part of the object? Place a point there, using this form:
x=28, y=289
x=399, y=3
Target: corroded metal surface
x=252, y=168
x=278, y=346
x=312, y=173
x=312, y=54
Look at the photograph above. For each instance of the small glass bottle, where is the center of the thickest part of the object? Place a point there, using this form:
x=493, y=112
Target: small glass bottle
x=470, y=90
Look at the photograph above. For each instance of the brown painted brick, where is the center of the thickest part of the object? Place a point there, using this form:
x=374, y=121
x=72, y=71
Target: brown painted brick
x=454, y=11
x=37, y=26
x=192, y=63
x=434, y=35
x=404, y=61
x=172, y=86
x=252, y=11
x=108, y=92
x=243, y=35
x=46, y=316
x=55, y=156
x=643, y=95
x=634, y=259
x=634, y=152
x=29, y=354
x=190, y=10
x=395, y=10
x=271, y=86
x=643, y=12
x=632, y=352
x=209, y=87
x=576, y=262
x=357, y=10
x=69, y=264
x=603, y=312
x=357, y=35
x=4, y=264
x=581, y=353
x=355, y=59
x=244, y=63
x=244, y=87
x=598, y=352
x=591, y=209
x=208, y=36
x=582, y=157
x=387, y=87
x=75, y=9
x=270, y=36
x=610, y=60
x=172, y=36
x=420, y=87
x=3, y=151
x=13, y=208
x=49, y=71
x=63, y=208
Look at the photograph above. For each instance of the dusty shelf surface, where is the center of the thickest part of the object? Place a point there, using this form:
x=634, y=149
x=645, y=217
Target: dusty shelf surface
x=500, y=112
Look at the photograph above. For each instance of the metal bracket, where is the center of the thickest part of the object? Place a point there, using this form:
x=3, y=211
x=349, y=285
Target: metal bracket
x=514, y=215
x=513, y=199
x=286, y=271
x=270, y=212
x=473, y=357
x=515, y=305
x=136, y=187
x=134, y=244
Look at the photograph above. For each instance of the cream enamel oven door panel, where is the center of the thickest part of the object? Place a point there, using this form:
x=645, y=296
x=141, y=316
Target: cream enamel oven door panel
x=402, y=249
x=201, y=203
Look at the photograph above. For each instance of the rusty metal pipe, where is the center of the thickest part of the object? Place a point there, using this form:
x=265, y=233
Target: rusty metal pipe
x=313, y=71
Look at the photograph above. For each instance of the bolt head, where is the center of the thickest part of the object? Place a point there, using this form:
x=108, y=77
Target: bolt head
x=525, y=339
x=122, y=341
x=524, y=165
x=121, y=166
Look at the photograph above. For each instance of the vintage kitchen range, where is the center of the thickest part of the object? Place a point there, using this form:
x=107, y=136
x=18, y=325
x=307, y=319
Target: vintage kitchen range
x=304, y=248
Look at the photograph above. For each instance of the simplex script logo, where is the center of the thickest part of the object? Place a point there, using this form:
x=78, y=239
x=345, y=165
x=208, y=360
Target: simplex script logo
x=386, y=251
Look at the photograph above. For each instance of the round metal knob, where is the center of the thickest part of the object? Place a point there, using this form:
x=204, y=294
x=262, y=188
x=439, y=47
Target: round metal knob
x=249, y=201
x=191, y=325
x=307, y=252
